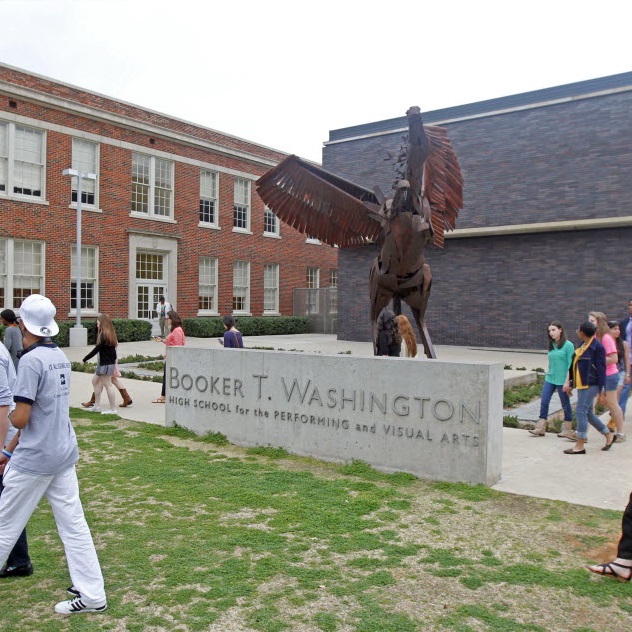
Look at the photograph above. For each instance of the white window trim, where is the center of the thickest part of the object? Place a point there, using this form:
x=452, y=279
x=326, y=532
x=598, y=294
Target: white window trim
x=10, y=271
x=9, y=194
x=152, y=189
x=84, y=311
x=275, y=311
x=214, y=311
x=313, y=240
x=215, y=224
x=248, y=229
x=277, y=233
x=94, y=208
x=246, y=311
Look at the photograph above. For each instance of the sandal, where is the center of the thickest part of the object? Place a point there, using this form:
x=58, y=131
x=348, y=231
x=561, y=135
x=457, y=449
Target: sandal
x=607, y=569
x=159, y=400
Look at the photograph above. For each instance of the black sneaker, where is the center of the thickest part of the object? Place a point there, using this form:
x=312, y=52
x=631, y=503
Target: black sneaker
x=73, y=591
x=16, y=571
x=76, y=605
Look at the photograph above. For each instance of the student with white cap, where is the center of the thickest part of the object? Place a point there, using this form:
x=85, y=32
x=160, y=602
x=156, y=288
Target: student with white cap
x=43, y=463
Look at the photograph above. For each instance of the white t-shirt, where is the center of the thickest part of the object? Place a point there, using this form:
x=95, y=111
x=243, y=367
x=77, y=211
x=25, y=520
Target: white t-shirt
x=48, y=444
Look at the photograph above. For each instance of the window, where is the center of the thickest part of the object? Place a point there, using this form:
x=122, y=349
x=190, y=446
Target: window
x=271, y=288
x=89, y=275
x=207, y=295
x=313, y=278
x=152, y=186
x=241, y=286
x=270, y=222
x=22, y=159
x=333, y=278
x=21, y=271
x=149, y=266
x=241, y=207
x=208, y=198
x=85, y=159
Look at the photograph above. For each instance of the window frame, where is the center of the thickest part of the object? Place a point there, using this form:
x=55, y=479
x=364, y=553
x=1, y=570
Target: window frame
x=246, y=306
x=246, y=203
x=275, y=288
x=88, y=311
x=153, y=188
x=214, y=283
x=8, y=270
x=85, y=205
x=277, y=223
x=10, y=160
x=215, y=199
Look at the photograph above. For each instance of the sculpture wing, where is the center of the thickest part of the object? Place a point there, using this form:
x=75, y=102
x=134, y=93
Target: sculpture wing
x=320, y=204
x=443, y=183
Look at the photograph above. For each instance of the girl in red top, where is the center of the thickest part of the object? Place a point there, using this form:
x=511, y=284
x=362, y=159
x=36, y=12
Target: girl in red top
x=176, y=338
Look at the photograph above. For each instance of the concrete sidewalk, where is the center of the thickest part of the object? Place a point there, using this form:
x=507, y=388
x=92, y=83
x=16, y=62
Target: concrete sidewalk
x=531, y=466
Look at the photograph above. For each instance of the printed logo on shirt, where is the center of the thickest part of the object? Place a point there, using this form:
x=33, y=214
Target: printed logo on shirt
x=62, y=379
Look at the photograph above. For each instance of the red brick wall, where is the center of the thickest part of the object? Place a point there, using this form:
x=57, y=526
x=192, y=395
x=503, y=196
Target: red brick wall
x=55, y=222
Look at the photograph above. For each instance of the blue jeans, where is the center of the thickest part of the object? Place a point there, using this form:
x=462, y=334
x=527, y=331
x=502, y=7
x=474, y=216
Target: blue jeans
x=623, y=398
x=547, y=392
x=585, y=414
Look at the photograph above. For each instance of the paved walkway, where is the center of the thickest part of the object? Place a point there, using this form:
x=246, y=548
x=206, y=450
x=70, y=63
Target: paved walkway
x=532, y=466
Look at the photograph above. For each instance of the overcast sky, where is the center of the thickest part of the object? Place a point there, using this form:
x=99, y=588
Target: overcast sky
x=283, y=73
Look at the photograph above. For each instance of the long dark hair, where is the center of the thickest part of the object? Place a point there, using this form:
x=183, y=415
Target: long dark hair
x=176, y=321
x=617, y=340
x=562, y=340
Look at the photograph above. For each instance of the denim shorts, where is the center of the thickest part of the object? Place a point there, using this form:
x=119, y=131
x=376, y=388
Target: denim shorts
x=612, y=382
x=621, y=378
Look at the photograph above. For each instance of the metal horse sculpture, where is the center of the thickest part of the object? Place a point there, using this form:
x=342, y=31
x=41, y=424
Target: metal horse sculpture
x=426, y=201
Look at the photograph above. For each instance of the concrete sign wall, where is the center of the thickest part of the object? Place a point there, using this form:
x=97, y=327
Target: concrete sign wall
x=437, y=420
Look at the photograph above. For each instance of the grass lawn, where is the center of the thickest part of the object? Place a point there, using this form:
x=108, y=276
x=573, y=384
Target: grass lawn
x=195, y=534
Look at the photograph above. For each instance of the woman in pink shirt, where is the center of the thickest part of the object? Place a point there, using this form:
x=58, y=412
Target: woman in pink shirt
x=610, y=401
x=175, y=338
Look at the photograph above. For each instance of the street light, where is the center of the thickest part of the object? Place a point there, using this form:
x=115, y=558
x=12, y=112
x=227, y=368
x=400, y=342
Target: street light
x=78, y=335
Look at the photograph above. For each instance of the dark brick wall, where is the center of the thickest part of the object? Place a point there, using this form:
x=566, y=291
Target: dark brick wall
x=563, y=162
x=503, y=291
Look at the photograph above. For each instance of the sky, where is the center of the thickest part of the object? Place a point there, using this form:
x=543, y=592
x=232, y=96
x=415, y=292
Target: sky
x=283, y=73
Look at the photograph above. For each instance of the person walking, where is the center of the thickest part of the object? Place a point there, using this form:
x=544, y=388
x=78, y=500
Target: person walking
x=18, y=563
x=389, y=340
x=609, y=398
x=176, y=338
x=163, y=308
x=560, y=357
x=12, y=336
x=232, y=336
x=409, y=341
x=106, y=363
x=587, y=373
x=43, y=463
x=625, y=327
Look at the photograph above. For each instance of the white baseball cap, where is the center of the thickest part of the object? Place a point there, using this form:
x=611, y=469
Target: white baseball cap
x=37, y=314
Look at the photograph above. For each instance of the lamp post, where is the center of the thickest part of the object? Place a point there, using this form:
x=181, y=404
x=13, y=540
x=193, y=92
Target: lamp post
x=78, y=335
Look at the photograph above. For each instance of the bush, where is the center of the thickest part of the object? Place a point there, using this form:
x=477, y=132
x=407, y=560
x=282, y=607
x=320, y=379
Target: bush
x=212, y=327
x=127, y=330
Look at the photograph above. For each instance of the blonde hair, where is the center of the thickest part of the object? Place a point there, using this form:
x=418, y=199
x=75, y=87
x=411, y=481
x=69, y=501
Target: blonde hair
x=407, y=334
x=602, y=324
x=107, y=334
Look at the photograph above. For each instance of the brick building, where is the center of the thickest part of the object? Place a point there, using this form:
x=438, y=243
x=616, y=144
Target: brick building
x=173, y=210
x=546, y=227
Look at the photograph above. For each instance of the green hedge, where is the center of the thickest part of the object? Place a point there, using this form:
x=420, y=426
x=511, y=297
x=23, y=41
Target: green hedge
x=126, y=330
x=248, y=325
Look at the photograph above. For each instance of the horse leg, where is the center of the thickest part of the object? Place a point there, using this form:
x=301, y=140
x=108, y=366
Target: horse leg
x=380, y=298
x=418, y=302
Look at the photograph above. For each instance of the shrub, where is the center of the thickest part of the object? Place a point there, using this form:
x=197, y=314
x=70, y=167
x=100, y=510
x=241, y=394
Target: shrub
x=127, y=330
x=212, y=327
